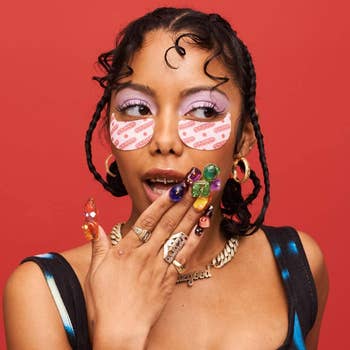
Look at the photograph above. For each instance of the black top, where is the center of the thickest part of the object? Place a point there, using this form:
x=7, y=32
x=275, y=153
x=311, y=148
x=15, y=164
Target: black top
x=290, y=258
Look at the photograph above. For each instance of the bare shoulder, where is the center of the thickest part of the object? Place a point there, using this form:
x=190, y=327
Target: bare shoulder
x=316, y=260
x=318, y=268
x=30, y=315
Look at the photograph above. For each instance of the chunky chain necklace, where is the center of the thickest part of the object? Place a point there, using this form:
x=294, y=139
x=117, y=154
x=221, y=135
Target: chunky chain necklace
x=225, y=256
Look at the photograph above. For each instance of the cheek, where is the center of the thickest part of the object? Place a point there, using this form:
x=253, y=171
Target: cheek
x=131, y=135
x=205, y=136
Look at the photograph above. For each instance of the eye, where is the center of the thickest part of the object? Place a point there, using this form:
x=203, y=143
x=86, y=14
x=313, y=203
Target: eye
x=134, y=108
x=204, y=110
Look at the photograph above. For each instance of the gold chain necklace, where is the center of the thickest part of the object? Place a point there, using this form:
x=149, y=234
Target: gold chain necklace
x=225, y=256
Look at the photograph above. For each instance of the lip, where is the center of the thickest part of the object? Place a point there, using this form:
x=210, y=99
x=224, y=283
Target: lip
x=159, y=173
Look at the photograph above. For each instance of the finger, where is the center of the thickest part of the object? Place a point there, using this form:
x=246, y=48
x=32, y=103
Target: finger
x=169, y=223
x=170, y=272
x=194, y=238
x=100, y=247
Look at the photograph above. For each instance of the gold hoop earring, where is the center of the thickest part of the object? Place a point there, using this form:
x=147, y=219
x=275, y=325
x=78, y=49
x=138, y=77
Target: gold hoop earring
x=246, y=170
x=107, y=166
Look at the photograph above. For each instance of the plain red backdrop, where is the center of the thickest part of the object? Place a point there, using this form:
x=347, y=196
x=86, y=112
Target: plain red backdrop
x=48, y=55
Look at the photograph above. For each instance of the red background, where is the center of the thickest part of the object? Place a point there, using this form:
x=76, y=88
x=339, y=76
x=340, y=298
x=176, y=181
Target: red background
x=48, y=54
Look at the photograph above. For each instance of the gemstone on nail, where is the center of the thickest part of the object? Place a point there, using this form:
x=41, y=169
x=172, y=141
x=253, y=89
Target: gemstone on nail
x=200, y=203
x=215, y=185
x=201, y=188
x=193, y=175
x=177, y=191
x=211, y=171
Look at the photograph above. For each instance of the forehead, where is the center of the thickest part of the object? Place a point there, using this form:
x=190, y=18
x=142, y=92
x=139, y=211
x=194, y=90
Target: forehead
x=150, y=67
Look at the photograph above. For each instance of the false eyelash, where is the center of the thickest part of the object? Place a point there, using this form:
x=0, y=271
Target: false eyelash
x=131, y=103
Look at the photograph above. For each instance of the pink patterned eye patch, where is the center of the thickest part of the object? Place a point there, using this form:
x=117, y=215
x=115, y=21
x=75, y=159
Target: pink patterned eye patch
x=131, y=135
x=205, y=135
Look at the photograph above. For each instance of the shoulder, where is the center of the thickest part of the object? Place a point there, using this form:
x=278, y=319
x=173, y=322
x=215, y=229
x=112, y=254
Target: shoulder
x=318, y=268
x=29, y=309
x=317, y=264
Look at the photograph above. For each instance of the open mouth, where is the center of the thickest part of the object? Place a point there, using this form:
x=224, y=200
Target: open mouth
x=160, y=185
x=158, y=181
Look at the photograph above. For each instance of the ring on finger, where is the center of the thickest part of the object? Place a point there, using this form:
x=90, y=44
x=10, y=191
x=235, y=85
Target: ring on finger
x=178, y=266
x=173, y=245
x=142, y=234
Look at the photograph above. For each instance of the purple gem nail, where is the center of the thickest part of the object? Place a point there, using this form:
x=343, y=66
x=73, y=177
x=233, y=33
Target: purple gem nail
x=215, y=185
x=192, y=176
x=177, y=191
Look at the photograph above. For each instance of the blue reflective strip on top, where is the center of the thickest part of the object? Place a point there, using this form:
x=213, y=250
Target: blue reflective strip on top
x=277, y=250
x=45, y=255
x=298, y=335
x=292, y=247
x=60, y=306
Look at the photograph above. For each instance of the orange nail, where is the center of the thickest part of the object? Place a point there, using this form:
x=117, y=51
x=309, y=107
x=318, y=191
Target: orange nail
x=90, y=225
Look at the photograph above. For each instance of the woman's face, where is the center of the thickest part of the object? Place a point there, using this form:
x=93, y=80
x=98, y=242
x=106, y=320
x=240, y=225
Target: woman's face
x=167, y=96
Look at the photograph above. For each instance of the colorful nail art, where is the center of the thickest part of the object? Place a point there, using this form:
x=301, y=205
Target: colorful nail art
x=90, y=225
x=204, y=221
x=202, y=188
x=177, y=191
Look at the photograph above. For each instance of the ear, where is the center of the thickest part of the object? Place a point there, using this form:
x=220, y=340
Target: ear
x=247, y=142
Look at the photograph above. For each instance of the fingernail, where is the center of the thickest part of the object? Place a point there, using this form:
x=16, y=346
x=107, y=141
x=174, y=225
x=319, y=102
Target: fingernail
x=201, y=203
x=90, y=225
x=198, y=231
x=177, y=192
x=192, y=176
x=204, y=221
x=209, y=211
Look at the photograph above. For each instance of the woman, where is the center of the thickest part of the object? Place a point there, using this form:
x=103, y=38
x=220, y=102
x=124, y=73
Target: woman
x=179, y=95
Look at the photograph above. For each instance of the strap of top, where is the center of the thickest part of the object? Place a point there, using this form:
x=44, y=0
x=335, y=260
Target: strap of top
x=68, y=296
x=296, y=275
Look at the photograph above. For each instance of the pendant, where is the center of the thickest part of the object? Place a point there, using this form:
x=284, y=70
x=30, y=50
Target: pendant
x=194, y=276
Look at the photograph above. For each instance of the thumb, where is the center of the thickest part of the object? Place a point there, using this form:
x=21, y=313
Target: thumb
x=100, y=247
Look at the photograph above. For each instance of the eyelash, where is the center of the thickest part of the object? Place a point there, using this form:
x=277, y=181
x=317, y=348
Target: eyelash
x=196, y=106
x=132, y=103
x=206, y=105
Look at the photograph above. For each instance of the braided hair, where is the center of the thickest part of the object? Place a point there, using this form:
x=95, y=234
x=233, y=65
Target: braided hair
x=214, y=34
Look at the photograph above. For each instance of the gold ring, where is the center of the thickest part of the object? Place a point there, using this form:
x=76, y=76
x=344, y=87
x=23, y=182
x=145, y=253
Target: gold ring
x=178, y=266
x=142, y=234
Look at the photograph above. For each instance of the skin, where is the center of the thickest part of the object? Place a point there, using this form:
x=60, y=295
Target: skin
x=130, y=291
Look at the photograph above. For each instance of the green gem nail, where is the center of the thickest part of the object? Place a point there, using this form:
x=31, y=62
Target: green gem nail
x=201, y=188
x=211, y=171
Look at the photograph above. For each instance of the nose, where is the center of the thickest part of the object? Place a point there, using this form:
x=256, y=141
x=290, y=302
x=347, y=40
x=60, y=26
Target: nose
x=165, y=138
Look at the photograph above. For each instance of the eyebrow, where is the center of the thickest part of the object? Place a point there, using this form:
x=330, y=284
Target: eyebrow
x=184, y=93
x=138, y=87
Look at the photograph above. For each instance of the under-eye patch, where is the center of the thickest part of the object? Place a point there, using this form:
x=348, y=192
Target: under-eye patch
x=131, y=135
x=205, y=135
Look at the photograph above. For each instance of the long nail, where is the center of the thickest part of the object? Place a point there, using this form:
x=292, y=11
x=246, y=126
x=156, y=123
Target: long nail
x=90, y=225
x=204, y=221
x=192, y=176
x=177, y=192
